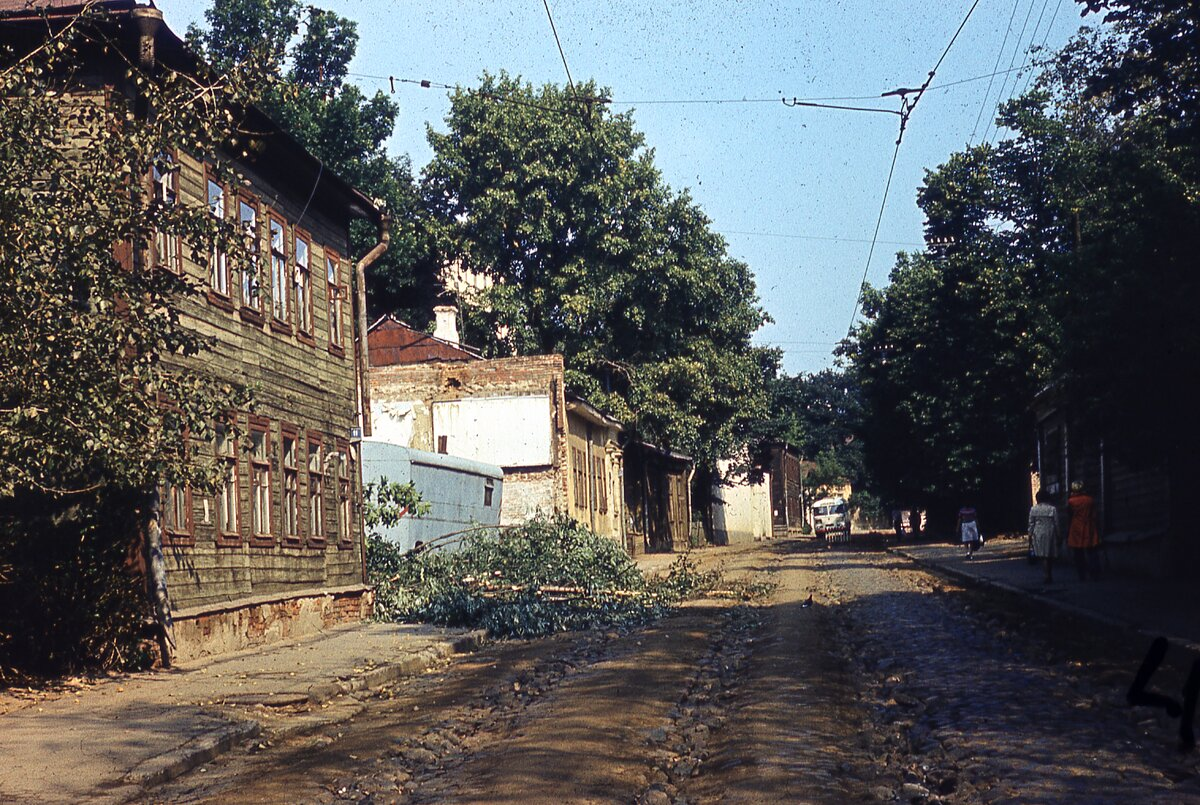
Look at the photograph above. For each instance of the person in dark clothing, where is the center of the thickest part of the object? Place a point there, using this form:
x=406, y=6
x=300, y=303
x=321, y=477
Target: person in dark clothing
x=968, y=530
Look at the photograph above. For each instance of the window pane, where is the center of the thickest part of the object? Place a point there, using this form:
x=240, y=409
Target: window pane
x=279, y=283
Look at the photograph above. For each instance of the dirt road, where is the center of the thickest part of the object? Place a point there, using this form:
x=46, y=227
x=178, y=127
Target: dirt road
x=892, y=685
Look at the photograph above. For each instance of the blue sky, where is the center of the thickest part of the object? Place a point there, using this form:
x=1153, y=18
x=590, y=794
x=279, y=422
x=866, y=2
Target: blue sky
x=795, y=191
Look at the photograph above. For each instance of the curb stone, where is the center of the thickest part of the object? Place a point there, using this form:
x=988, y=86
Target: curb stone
x=1066, y=606
x=201, y=749
x=207, y=746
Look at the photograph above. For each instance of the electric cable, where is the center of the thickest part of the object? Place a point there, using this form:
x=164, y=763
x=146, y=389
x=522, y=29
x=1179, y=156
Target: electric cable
x=558, y=42
x=870, y=252
x=992, y=128
x=906, y=110
x=999, y=55
x=1045, y=39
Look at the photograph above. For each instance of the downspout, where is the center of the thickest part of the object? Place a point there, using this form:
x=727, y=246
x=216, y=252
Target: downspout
x=149, y=21
x=360, y=346
x=687, y=507
x=361, y=358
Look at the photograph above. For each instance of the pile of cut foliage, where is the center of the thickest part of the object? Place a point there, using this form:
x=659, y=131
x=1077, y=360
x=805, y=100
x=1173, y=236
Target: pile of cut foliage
x=545, y=576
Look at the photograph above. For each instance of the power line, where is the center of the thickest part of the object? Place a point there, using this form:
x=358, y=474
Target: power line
x=992, y=128
x=558, y=42
x=882, y=205
x=814, y=237
x=906, y=110
x=999, y=55
x=794, y=102
x=949, y=84
x=1045, y=39
x=392, y=80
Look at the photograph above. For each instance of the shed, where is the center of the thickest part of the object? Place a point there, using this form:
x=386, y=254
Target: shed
x=461, y=493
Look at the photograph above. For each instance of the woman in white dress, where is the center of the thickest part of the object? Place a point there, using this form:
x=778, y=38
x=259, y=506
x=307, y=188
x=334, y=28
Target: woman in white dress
x=1044, y=533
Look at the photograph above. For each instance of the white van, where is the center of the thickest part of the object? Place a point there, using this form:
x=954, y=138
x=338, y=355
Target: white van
x=831, y=517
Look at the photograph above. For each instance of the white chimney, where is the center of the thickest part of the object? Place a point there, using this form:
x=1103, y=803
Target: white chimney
x=446, y=323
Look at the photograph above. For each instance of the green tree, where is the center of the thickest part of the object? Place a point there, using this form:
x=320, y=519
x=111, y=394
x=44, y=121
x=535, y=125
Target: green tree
x=558, y=201
x=952, y=352
x=98, y=398
x=309, y=50
x=1129, y=322
x=1073, y=236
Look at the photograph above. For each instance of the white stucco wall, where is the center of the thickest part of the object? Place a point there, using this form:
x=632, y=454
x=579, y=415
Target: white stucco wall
x=393, y=421
x=508, y=431
x=742, y=510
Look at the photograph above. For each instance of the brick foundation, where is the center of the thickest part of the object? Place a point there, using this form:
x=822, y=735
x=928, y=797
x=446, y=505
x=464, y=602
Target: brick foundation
x=256, y=623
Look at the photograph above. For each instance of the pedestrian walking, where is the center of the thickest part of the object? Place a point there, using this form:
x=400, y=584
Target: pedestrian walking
x=1083, y=536
x=968, y=531
x=1044, y=534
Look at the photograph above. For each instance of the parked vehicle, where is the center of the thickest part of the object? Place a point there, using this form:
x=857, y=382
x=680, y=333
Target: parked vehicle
x=831, y=516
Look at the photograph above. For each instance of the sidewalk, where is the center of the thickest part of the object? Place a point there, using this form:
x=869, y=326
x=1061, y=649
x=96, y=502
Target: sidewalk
x=106, y=741
x=1152, y=608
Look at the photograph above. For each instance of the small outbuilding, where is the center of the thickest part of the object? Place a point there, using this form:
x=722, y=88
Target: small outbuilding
x=741, y=504
x=461, y=493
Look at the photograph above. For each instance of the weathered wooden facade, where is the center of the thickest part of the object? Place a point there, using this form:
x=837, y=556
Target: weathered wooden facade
x=787, y=480
x=1134, y=502
x=658, y=499
x=278, y=551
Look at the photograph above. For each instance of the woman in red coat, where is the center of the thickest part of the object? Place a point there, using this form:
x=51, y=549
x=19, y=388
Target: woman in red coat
x=1083, y=537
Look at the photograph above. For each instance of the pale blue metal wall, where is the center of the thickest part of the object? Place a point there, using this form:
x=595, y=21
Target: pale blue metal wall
x=453, y=487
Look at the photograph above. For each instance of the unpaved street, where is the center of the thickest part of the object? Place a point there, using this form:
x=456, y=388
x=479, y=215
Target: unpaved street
x=893, y=685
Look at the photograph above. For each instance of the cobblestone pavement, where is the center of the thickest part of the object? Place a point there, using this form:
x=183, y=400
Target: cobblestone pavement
x=981, y=700
x=861, y=679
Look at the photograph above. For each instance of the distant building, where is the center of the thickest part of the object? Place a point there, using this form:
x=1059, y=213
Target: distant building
x=787, y=482
x=741, y=505
x=658, y=498
x=559, y=454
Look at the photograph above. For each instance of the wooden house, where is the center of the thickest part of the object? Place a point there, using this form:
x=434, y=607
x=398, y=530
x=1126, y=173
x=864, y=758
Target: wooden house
x=785, y=467
x=658, y=499
x=1134, y=505
x=278, y=551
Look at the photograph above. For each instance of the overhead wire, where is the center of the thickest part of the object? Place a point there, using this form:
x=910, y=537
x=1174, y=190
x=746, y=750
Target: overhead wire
x=557, y=41
x=1045, y=39
x=874, y=238
x=392, y=81
x=906, y=110
x=999, y=55
x=992, y=128
x=797, y=236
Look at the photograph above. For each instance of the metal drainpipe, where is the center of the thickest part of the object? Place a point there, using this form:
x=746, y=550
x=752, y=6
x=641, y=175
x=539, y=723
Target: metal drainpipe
x=361, y=353
x=361, y=356
x=687, y=505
